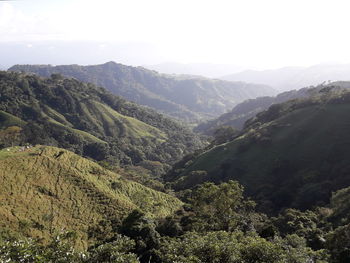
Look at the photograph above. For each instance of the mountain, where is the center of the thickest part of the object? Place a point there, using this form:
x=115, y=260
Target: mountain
x=84, y=52
x=292, y=155
x=290, y=78
x=248, y=109
x=44, y=190
x=208, y=70
x=88, y=120
x=187, y=98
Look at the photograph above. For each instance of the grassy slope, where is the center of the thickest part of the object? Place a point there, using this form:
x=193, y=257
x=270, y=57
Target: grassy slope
x=302, y=152
x=7, y=120
x=109, y=121
x=45, y=189
x=134, y=127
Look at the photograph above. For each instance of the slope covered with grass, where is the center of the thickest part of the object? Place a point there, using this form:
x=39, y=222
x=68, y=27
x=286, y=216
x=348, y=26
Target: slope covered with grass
x=44, y=190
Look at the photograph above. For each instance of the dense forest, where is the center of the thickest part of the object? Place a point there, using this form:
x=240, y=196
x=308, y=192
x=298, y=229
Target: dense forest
x=188, y=98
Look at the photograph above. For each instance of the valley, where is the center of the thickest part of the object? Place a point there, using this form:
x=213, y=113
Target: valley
x=108, y=176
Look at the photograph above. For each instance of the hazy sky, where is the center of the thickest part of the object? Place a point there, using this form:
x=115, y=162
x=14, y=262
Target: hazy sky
x=255, y=33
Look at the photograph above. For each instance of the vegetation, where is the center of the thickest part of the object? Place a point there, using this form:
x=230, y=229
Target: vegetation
x=87, y=120
x=60, y=250
x=46, y=189
x=139, y=238
x=291, y=155
x=288, y=202
x=248, y=109
x=187, y=98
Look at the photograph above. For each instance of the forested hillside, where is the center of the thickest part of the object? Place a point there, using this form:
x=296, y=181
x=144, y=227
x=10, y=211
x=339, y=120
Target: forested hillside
x=87, y=120
x=246, y=110
x=187, y=98
x=292, y=155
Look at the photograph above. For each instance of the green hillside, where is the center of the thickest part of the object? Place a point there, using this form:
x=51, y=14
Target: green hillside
x=7, y=120
x=89, y=121
x=248, y=109
x=187, y=98
x=46, y=189
x=292, y=155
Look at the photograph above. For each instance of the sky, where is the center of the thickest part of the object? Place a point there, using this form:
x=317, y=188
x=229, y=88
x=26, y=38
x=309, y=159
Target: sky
x=249, y=33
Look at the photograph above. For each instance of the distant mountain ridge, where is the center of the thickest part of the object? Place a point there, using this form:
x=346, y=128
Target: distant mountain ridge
x=187, y=98
x=290, y=78
x=208, y=70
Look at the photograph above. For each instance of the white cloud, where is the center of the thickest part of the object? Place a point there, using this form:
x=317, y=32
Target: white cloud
x=267, y=33
x=16, y=25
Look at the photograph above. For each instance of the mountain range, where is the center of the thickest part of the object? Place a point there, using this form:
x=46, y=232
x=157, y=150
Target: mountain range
x=188, y=98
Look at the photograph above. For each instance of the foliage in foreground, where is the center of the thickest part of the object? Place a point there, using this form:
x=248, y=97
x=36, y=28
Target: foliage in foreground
x=61, y=251
x=217, y=224
x=236, y=247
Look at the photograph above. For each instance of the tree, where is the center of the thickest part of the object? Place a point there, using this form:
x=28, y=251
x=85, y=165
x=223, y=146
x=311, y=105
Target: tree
x=142, y=230
x=224, y=134
x=338, y=243
x=236, y=247
x=220, y=207
x=10, y=135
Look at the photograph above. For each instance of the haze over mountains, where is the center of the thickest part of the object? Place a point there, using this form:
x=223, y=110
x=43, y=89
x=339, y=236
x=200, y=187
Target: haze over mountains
x=95, y=52
x=209, y=70
x=282, y=79
x=290, y=78
x=60, y=52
